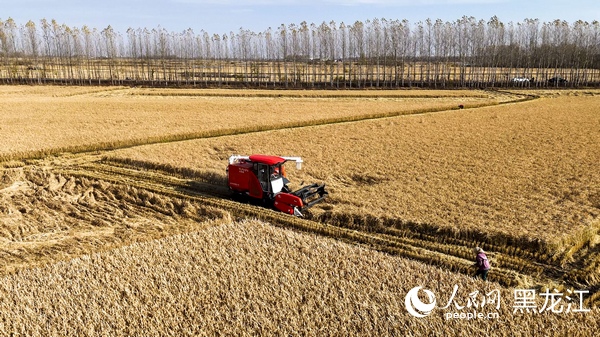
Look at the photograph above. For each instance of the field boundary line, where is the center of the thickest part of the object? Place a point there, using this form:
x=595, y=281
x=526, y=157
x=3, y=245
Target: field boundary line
x=123, y=144
x=93, y=91
x=284, y=94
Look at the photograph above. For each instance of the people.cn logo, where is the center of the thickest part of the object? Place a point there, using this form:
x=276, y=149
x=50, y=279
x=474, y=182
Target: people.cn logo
x=415, y=306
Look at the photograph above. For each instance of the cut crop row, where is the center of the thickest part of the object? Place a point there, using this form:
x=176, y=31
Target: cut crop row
x=412, y=247
x=398, y=233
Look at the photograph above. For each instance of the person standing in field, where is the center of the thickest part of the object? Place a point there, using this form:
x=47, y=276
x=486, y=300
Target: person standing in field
x=482, y=263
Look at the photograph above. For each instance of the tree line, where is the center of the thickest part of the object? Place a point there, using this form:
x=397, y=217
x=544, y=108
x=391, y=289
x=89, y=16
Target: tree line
x=377, y=53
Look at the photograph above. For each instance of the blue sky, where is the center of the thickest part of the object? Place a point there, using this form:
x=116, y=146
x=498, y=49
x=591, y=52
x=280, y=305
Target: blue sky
x=230, y=15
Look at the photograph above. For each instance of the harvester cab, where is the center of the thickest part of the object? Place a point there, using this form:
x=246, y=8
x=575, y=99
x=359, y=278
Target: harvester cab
x=263, y=178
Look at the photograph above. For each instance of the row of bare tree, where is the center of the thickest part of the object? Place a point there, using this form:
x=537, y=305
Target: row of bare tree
x=375, y=53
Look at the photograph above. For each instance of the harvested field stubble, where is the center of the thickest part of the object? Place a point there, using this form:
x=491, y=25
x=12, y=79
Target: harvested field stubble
x=47, y=217
x=251, y=278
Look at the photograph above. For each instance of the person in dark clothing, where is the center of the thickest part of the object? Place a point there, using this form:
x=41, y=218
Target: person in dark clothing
x=482, y=263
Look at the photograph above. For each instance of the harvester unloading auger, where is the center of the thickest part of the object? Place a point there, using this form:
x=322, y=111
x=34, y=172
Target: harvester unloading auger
x=262, y=178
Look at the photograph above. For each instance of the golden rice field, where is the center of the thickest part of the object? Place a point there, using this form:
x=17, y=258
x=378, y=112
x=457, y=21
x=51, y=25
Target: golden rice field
x=249, y=278
x=529, y=166
x=50, y=121
x=113, y=219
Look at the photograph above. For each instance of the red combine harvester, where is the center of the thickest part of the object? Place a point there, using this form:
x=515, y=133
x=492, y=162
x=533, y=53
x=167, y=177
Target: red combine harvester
x=262, y=178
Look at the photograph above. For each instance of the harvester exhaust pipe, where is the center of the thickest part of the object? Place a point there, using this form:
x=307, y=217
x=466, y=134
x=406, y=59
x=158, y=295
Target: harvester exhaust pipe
x=298, y=161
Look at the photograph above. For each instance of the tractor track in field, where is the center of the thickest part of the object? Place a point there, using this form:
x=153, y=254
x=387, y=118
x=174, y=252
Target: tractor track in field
x=450, y=253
